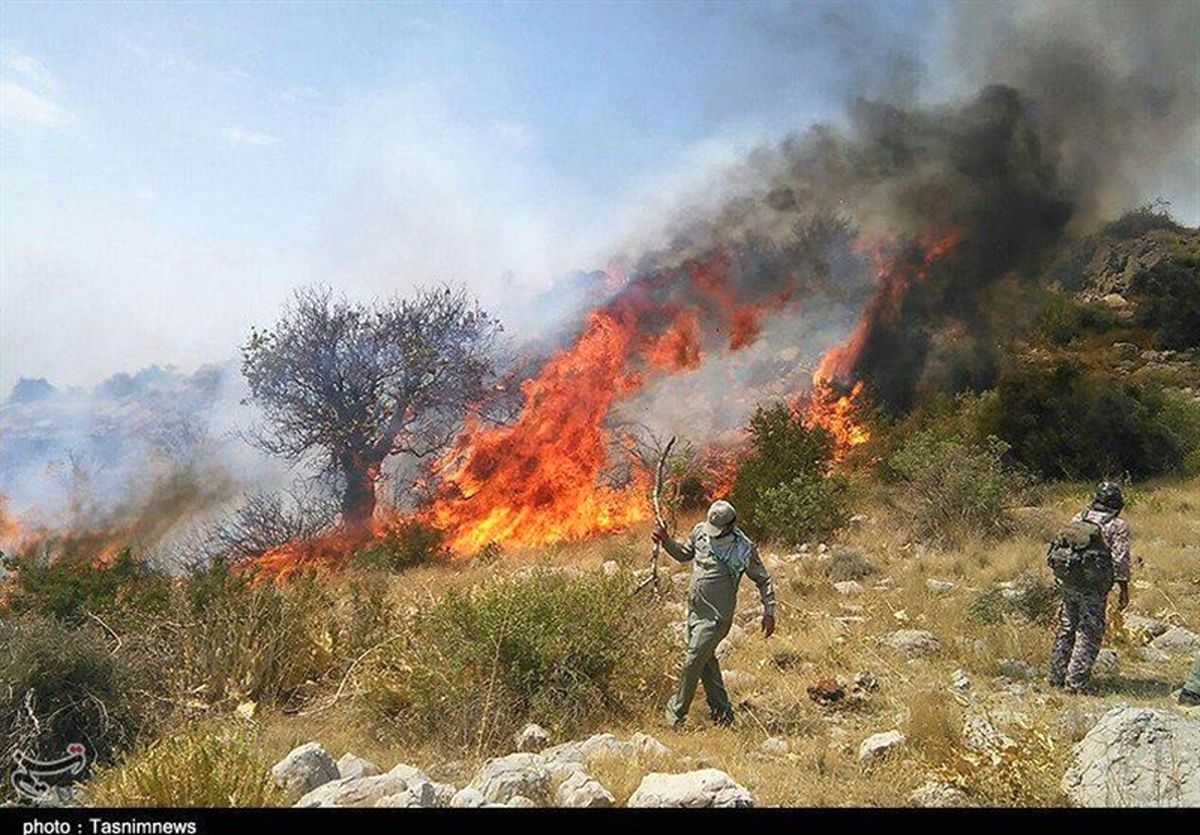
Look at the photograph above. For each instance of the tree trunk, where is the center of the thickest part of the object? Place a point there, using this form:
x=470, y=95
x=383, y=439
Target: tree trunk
x=358, y=495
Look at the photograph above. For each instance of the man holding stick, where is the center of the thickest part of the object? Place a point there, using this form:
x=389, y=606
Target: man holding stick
x=720, y=553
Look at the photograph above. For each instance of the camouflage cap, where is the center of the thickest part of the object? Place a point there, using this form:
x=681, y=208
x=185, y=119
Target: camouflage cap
x=720, y=516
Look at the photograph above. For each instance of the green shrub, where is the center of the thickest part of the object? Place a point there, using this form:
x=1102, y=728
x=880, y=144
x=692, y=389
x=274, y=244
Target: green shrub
x=1035, y=600
x=1066, y=422
x=801, y=509
x=60, y=685
x=788, y=461
x=1168, y=302
x=1064, y=318
x=405, y=545
x=68, y=586
x=194, y=768
x=952, y=487
x=1137, y=222
x=568, y=653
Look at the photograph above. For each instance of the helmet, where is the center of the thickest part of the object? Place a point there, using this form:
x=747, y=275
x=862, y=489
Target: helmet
x=1108, y=496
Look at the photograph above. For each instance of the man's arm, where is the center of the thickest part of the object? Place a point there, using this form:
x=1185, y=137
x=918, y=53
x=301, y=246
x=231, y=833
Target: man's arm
x=679, y=551
x=757, y=572
x=1119, y=542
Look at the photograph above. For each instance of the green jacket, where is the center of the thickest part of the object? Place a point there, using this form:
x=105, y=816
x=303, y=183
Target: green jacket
x=713, y=593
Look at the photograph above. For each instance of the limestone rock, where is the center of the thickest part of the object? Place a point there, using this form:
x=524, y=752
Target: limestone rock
x=880, y=745
x=352, y=766
x=532, y=737
x=504, y=778
x=939, y=586
x=1107, y=664
x=849, y=588
x=775, y=746
x=467, y=798
x=703, y=789
x=914, y=643
x=403, y=786
x=610, y=568
x=1141, y=625
x=936, y=795
x=305, y=768
x=1136, y=756
x=1177, y=640
x=582, y=791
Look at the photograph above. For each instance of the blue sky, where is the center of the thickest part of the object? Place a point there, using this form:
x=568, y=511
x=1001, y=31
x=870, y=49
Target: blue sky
x=169, y=172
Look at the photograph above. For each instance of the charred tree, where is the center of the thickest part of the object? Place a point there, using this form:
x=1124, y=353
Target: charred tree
x=355, y=384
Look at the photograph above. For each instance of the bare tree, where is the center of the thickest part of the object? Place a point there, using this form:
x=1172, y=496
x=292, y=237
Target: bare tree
x=358, y=383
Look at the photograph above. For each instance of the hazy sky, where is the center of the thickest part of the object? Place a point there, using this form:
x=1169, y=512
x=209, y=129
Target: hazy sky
x=168, y=173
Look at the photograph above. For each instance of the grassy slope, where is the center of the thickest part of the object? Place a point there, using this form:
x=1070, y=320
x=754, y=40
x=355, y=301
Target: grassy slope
x=914, y=696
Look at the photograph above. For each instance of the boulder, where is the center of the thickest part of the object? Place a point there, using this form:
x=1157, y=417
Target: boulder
x=1149, y=628
x=305, y=768
x=914, y=643
x=403, y=786
x=937, y=795
x=1152, y=655
x=880, y=745
x=352, y=766
x=1107, y=664
x=1136, y=756
x=708, y=788
x=532, y=737
x=582, y=791
x=979, y=734
x=520, y=802
x=467, y=798
x=1177, y=640
x=648, y=746
x=503, y=778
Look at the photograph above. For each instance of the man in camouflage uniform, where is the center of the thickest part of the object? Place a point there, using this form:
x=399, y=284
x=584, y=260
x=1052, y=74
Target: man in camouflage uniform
x=1081, y=614
x=1190, y=694
x=720, y=553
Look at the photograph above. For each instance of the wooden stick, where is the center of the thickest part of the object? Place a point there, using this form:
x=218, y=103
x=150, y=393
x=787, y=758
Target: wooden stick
x=658, y=517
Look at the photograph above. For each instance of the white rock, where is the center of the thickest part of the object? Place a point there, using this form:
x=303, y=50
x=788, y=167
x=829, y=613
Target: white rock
x=937, y=795
x=1152, y=656
x=822, y=548
x=582, y=791
x=959, y=680
x=1107, y=664
x=703, y=789
x=913, y=643
x=649, y=747
x=775, y=746
x=504, y=778
x=1177, y=639
x=979, y=734
x=304, y=769
x=880, y=745
x=520, y=802
x=467, y=798
x=1141, y=625
x=1136, y=756
x=939, y=586
x=403, y=786
x=610, y=568
x=850, y=588
x=352, y=766
x=532, y=737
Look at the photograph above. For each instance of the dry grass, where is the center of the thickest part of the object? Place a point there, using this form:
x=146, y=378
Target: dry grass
x=915, y=696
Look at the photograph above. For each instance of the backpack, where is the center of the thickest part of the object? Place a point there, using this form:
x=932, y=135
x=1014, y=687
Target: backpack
x=1080, y=558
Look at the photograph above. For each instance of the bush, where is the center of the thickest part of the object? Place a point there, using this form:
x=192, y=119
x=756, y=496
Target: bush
x=195, y=768
x=60, y=685
x=1035, y=601
x=1066, y=422
x=567, y=653
x=1137, y=222
x=1168, y=302
x=69, y=586
x=801, y=509
x=786, y=471
x=954, y=487
x=848, y=564
x=405, y=545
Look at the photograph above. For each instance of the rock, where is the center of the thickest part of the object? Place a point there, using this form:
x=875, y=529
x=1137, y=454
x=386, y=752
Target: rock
x=936, y=795
x=304, y=769
x=1114, y=300
x=1148, y=628
x=467, y=798
x=1126, y=350
x=352, y=766
x=1152, y=655
x=804, y=548
x=504, y=778
x=648, y=746
x=822, y=548
x=532, y=737
x=1017, y=670
x=708, y=788
x=1136, y=756
x=959, y=680
x=979, y=734
x=1177, y=639
x=403, y=786
x=610, y=568
x=850, y=588
x=939, y=586
x=914, y=643
x=520, y=802
x=1107, y=664
x=582, y=791
x=738, y=681
x=775, y=746
x=880, y=745
x=845, y=623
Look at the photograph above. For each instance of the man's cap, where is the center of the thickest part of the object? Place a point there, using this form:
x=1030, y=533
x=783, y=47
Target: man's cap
x=1108, y=495
x=720, y=516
